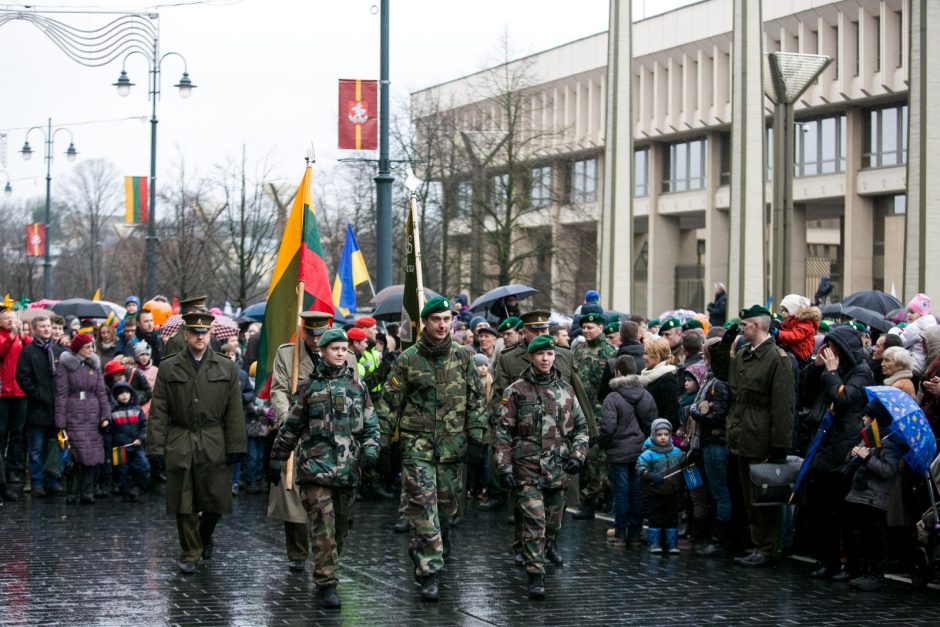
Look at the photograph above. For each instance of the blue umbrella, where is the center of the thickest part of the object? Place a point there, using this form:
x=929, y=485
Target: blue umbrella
x=824, y=425
x=910, y=424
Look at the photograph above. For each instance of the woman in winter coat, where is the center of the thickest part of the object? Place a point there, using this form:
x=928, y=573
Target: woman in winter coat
x=107, y=342
x=896, y=363
x=919, y=319
x=659, y=377
x=626, y=408
x=836, y=379
x=82, y=409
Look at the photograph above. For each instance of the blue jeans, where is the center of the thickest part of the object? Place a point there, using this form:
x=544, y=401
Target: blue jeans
x=628, y=500
x=716, y=472
x=136, y=470
x=38, y=440
x=255, y=459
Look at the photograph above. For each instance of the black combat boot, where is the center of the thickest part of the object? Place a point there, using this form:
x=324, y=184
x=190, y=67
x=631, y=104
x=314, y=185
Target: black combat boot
x=551, y=554
x=445, y=541
x=585, y=512
x=401, y=526
x=328, y=597
x=536, y=586
x=429, y=591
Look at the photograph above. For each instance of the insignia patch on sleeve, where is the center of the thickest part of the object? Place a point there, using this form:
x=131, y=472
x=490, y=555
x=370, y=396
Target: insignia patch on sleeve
x=505, y=400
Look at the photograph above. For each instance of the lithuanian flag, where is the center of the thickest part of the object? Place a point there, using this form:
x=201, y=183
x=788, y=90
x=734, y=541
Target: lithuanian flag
x=135, y=200
x=299, y=258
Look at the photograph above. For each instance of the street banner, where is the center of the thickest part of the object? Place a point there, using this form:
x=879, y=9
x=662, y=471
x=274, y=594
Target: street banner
x=413, y=298
x=350, y=272
x=136, y=210
x=35, y=240
x=358, y=115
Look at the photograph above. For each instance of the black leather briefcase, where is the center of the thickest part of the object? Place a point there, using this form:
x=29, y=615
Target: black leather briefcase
x=772, y=484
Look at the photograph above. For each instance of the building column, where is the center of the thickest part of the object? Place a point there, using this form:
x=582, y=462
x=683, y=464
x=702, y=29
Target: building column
x=716, y=222
x=797, y=252
x=923, y=162
x=858, y=223
x=616, y=227
x=664, y=249
x=746, y=258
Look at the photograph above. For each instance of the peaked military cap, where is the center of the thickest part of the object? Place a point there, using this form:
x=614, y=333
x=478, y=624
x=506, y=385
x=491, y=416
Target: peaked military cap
x=692, y=323
x=536, y=319
x=194, y=302
x=668, y=324
x=594, y=318
x=435, y=305
x=198, y=321
x=753, y=311
x=316, y=322
x=486, y=329
x=542, y=343
x=511, y=322
x=332, y=335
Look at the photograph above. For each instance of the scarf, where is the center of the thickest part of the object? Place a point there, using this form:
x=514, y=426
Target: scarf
x=897, y=376
x=648, y=375
x=46, y=345
x=427, y=346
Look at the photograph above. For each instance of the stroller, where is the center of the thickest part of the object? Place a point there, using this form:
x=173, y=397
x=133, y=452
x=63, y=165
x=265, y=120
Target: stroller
x=926, y=555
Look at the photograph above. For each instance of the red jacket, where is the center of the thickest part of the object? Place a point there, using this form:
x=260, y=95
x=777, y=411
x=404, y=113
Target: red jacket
x=798, y=332
x=10, y=348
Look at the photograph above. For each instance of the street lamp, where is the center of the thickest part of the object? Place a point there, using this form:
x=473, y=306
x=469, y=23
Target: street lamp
x=128, y=34
x=786, y=76
x=26, y=151
x=7, y=189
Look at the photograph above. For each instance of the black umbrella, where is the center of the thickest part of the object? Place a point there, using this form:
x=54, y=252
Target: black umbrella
x=872, y=300
x=81, y=308
x=872, y=318
x=832, y=311
x=389, y=308
x=518, y=290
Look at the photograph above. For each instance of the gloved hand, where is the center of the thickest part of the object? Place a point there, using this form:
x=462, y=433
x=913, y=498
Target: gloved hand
x=774, y=327
x=777, y=456
x=369, y=462
x=475, y=452
x=234, y=458
x=730, y=334
x=572, y=466
x=509, y=481
x=274, y=472
x=655, y=478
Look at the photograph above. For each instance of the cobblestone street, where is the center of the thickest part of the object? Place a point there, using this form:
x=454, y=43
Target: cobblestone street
x=114, y=563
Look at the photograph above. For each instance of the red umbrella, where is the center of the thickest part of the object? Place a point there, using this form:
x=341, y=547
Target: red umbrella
x=223, y=327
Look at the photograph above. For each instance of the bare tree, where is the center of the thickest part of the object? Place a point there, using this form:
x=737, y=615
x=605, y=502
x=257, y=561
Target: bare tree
x=20, y=275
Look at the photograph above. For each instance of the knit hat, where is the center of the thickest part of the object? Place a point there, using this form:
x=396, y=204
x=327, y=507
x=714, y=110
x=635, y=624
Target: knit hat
x=794, y=302
x=660, y=423
x=475, y=320
x=80, y=340
x=920, y=304
x=114, y=367
x=132, y=299
x=480, y=360
x=591, y=296
x=356, y=334
x=462, y=299
x=142, y=348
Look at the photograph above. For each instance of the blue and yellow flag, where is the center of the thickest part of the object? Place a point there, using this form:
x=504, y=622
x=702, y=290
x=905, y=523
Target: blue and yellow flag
x=350, y=272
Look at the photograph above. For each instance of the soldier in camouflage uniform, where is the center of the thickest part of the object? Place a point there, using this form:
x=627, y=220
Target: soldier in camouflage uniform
x=541, y=438
x=336, y=426
x=590, y=359
x=435, y=398
x=509, y=367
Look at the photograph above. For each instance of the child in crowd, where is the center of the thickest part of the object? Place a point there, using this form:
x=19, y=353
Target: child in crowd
x=478, y=479
x=690, y=441
x=259, y=422
x=659, y=459
x=230, y=350
x=797, y=333
x=144, y=366
x=128, y=432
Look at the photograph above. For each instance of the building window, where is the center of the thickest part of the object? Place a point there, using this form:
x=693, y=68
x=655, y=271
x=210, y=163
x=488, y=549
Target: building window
x=877, y=44
x=500, y=193
x=886, y=140
x=858, y=47
x=641, y=172
x=540, y=187
x=724, y=176
x=685, y=166
x=900, y=38
x=464, y=197
x=819, y=146
x=584, y=181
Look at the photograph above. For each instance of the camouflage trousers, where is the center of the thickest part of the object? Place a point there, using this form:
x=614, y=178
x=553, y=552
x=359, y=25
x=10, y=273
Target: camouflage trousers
x=431, y=489
x=542, y=510
x=594, y=476
x=329, y=519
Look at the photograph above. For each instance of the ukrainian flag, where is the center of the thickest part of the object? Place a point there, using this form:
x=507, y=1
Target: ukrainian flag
x=350, y=272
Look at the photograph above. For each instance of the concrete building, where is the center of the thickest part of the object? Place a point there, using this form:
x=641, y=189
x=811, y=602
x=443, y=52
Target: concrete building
x=850, y=163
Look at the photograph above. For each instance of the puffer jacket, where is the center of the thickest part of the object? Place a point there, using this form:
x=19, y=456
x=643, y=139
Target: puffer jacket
x=660, y=460
x=844, y=390
x=912, y=339
x=798, y=332
x=81, y=403
x=128, y=421
x=628, y=412
x=662, y=384
x=873, y=483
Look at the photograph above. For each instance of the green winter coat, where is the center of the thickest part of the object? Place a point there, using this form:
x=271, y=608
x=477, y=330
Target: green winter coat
x=540, y=426
x=763, y=401
x=196, y=419
x=590, y=359
x=335, y=423
x=435, y=397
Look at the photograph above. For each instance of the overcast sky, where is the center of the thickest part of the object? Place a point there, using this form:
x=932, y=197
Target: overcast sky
x=266, y=72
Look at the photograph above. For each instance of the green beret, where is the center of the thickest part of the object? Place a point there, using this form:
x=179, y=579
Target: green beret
x=541, y=343
x=859, y=326
x=511, y=322
x=669, y=323
x=435, y=305
x=753, y=311
x=693, y=324
x=614, y=317
x=594, y=318
x=652, y=323
x=333, y=335
x=824, y=326
x=731, y=323
x=612, y=327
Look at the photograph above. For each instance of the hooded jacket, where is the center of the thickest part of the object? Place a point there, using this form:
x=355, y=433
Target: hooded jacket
x=842, y=389
x=873, y=484
x=81, y=404
x=912, y=339
x=128, y=421
x=663, y=386
x=628, y=412
x=798, y=332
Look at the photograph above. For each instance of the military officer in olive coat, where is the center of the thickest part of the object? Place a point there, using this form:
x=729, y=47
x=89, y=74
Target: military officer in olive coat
x=176, y=342
x=197, y=425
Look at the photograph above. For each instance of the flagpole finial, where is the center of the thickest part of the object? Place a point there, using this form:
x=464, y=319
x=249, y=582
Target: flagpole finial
x=311, y=154
x=412, y=182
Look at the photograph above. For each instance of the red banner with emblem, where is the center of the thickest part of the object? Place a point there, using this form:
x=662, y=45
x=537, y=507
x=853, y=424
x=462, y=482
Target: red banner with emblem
x=35, y=240
x=358, y=115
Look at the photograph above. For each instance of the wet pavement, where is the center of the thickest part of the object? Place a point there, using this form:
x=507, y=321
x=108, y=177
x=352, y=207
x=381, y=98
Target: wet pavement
x=114, y=563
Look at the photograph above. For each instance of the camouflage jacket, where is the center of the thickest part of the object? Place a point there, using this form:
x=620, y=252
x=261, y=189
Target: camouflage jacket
x=435, y=398
x=590, y=359
x=540, y=426
x=336, y=425
x=511, y=363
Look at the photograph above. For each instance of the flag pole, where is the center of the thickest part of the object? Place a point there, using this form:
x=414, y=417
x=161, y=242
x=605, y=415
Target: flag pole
x=295, y=375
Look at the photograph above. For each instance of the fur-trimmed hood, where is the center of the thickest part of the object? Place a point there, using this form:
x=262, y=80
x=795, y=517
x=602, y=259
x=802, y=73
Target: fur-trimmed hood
x=629, y=381
x=813, y=314
x=71, y=361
